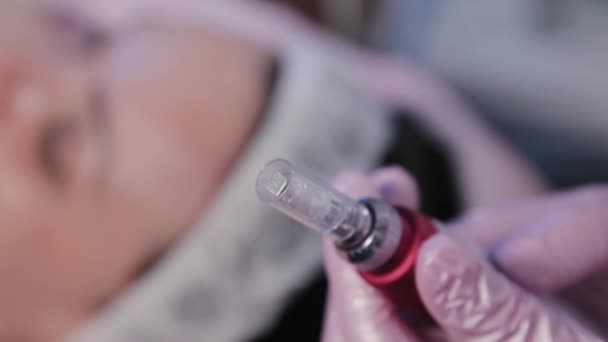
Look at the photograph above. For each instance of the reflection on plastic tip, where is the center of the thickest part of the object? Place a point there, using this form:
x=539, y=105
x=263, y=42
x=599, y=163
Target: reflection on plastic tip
x=314, y=205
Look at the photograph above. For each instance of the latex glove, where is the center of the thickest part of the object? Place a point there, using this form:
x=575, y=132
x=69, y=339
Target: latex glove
x=533, y=243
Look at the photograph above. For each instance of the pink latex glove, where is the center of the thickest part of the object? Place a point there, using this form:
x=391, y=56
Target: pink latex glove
x=543, y=246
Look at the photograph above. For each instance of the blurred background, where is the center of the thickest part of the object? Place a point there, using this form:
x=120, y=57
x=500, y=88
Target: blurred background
x=537, y=70
x=534, y=70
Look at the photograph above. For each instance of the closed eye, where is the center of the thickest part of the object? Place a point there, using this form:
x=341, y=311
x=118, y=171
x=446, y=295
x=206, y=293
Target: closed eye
x=74, y=35
x=55, y=147
x=68, y=140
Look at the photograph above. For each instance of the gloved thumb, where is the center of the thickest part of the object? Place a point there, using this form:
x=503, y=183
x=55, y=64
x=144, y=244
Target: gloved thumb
x=471, y=301
x=355, y=310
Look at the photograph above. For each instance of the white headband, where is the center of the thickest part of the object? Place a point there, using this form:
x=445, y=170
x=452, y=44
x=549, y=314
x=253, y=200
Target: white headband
x=230, y=276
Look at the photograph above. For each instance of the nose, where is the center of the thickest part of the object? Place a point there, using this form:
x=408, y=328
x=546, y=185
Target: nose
x=23, y=107
x=24, y=104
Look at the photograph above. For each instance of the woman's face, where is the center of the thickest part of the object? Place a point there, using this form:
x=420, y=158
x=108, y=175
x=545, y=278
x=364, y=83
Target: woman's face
x=109, y=148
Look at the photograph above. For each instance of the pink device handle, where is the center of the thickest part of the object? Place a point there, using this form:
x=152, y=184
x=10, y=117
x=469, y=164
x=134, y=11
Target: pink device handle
x=396, y=279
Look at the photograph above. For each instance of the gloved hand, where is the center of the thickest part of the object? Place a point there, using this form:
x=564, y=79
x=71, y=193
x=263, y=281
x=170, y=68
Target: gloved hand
x=540, y=247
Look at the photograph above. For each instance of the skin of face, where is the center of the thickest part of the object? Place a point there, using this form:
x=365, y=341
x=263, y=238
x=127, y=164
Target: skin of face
x=110, y=149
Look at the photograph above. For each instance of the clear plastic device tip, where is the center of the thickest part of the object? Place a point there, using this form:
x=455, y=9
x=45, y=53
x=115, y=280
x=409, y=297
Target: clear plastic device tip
x=317, y=206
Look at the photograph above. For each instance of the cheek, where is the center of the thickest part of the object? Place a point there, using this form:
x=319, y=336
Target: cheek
x=172, y=137
x=158, y=172
x=63, y=260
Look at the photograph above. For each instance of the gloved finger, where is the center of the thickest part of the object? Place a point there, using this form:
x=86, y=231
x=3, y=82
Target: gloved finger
x=473, y=302
x=396, y=186
x=562, y=247
x=356, y=311
x=360, y=312
x=331, y=330
x=355, y=184
x=487, y=226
